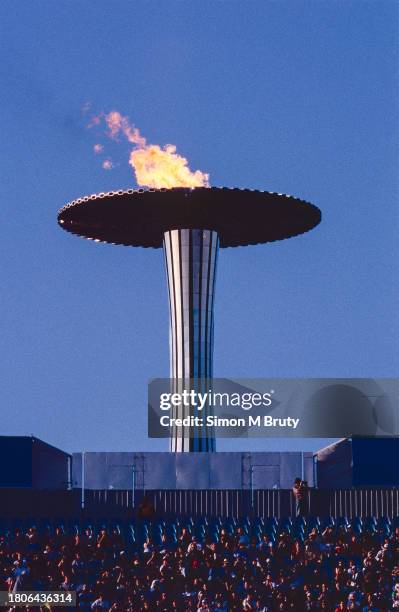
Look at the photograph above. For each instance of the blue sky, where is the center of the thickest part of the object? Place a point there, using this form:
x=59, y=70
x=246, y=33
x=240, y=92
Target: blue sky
x=296, y=97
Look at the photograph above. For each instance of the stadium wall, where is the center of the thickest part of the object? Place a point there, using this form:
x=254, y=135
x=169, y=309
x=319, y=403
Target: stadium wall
x=103, y=505
x=190, y=471
x=358, y=462
x=28, y=462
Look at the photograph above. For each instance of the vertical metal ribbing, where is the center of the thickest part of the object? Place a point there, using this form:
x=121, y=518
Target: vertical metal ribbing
x=191, y=256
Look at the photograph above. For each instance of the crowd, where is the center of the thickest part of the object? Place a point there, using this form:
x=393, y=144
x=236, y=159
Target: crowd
x=329, y=568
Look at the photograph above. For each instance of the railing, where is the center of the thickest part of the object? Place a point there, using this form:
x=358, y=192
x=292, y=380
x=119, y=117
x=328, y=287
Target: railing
x=112, y=503
x=261, y=502
x=363, y=502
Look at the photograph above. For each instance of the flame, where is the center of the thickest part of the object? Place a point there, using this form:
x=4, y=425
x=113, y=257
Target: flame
x=154, y=166
x=162, y=167
x=107, y=164
x=98, y=148
x=117, y=123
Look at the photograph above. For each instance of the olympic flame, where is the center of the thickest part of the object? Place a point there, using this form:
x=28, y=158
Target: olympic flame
x=154, y=166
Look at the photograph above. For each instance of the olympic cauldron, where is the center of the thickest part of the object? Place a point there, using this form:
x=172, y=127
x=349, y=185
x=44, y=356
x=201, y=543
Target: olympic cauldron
x=190, y=224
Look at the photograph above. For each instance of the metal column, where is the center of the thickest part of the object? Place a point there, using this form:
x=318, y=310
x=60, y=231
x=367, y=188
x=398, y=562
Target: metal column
x=191, y=256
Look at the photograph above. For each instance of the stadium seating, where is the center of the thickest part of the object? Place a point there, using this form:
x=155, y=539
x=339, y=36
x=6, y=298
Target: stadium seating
x=207, y=564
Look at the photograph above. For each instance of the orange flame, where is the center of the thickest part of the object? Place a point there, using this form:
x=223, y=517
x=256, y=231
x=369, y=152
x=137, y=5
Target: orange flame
x=154, y=166
x=162, y=167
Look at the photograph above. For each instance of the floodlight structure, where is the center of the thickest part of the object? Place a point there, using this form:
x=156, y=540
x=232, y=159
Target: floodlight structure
x=190, y=225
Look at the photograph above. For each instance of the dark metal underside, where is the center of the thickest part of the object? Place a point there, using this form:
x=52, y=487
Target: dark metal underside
x=140, y=217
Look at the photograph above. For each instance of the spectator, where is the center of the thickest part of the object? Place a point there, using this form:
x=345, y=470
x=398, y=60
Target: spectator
x=299, y=495
x=146, y=509
x=225, y=570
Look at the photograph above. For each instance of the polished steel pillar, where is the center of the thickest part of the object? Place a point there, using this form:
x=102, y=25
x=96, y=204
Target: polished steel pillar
x=191, y=256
